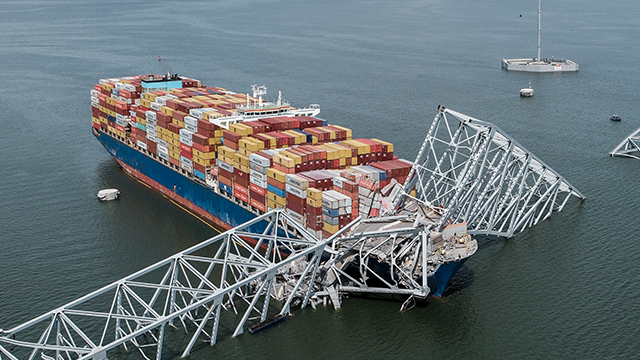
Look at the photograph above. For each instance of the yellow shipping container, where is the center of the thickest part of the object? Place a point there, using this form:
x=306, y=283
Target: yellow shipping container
x=314, y=202
x=251, y=144
x=313, y=193
x=246, y=152
x=362, y=148
x=107, y=87
x=103, y=120
x=284, y=161
x=95, y=120
x=330, y=228
x=142, y=121
x=241, y=129
x=343, y=162
x=272, y=141
x=243, y=168
x=349, y=132
x=111, y=129
x=120, y=133
x=272, y=204
x=354, y=161
x=277, y=199
x=389, y=145
x=298, y=137
x=332, y=153
x=174, y=154
x=208, y=155
x=226, y=151
x=174, y=148
x=296, y=158
x=277, y=175
x=145, y=103
x=167, y=110
x=243, y=159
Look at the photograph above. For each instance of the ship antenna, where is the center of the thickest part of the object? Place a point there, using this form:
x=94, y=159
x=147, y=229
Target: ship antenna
x=539, y=26
x=247, y=100
x=279, y=98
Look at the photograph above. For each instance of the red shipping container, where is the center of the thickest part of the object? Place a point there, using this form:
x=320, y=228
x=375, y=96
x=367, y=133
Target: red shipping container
x=96, y=126
x=179, y=115
x=313, y=211
x=313, y=225
x=173, y=161
x=277, y=184
x=160, y=116
x=237, y=188
x=258, y=126
x=205, y=125
x=200, y=139
x=186, y=148
x=231, y=144
x=120, y=128
x=296, y=200
x=224, y=173
x=297, y=208
x=257, y=189
x=225, y=180
x=241, y=196
x=226, y=134
x=241, y=181
x=206, y=149
x=258, y=205
x=256, y=196
x=152, y=147
x=173, y=128
x=241, y=174
x=186, y=154
x=199, y=167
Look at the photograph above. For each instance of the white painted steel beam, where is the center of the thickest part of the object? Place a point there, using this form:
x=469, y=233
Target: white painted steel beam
x=471, y=171
x=629, y=147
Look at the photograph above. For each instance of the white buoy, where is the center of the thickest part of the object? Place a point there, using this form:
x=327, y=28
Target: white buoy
x=108, y=194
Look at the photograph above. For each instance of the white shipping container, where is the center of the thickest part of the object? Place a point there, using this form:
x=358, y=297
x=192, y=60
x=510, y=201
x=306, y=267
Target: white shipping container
x=186, y=141
x=121, y=122
x=152, y=136
x=191, y=121
x=184, y=160
x=94, y=93
x=196, y=113
x=161, y=148
x=298, y=181
x=163, y=143
x=259, y=168
x=260, y=160
x=129, y=87
x=186, y=133
x=138, y=102
x=150, y=115
x=152, y=127
x=164, y=156
x=257, y=182
x=224, y=166
x=296, y=191
x=337, y=181
x=191, y=128
x=258, y=175
x=329, y=201
x=119, y=86
x=156, y=106
x=141, y=144
x=161, y=100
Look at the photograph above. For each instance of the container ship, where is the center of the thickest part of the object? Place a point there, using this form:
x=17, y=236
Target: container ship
x=228, y=157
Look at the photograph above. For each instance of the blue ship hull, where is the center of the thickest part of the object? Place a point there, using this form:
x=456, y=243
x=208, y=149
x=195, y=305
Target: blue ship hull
x=204, y=202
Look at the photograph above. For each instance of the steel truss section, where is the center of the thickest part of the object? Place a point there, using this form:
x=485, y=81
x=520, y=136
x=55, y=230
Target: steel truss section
x=629, y=147
x=474, y=172
x=238, y=271
x=403, y=250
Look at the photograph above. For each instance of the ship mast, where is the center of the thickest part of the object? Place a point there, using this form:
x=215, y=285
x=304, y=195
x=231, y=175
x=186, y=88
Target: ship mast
x=539, y=27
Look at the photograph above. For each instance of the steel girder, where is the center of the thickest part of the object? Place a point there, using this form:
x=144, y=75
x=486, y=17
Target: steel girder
x=474, y=172
x=404, y=250
x=239, y=271
x=629, y=147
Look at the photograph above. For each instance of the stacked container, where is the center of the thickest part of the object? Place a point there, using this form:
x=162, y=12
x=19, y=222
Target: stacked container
x=336, y=211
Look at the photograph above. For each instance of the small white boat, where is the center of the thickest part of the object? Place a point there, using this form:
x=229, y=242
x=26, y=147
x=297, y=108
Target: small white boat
x=108, y=194
x=527, y=92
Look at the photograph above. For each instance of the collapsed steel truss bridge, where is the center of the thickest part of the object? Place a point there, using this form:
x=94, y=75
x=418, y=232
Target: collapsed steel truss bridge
x=467, y=170
x=474, y=172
